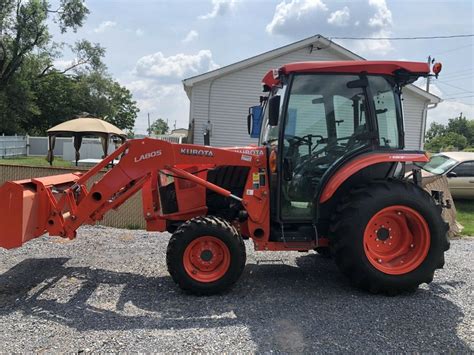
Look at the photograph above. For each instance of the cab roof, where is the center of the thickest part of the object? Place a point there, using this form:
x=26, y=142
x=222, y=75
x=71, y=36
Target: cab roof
x=350, y=67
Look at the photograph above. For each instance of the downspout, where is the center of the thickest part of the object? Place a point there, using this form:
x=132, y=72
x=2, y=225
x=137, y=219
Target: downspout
x=209, y=105
x=423, y=127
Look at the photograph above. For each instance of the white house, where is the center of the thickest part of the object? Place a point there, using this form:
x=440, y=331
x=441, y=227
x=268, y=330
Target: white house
x=222, y=97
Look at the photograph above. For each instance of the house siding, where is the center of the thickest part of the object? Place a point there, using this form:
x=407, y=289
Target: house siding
x=232, y=94
x=413, y=106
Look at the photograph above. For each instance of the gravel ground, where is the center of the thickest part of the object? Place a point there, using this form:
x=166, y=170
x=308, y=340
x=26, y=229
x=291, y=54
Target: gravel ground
x=109, y=291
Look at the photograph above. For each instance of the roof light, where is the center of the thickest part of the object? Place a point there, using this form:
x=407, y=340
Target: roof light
x=437, y=68
x=276, y=73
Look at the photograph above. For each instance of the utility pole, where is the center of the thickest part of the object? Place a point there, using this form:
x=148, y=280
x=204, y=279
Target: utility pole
x=149, y=126
x=428, y=78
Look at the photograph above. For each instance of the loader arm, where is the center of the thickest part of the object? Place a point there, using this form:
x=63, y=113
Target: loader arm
x=60, y=204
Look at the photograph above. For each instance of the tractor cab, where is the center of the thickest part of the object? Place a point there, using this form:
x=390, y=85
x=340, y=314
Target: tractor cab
x=318, y=116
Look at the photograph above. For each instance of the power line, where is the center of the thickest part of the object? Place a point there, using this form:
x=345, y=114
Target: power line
x=405, y=38
x=456, y=78
x=457, y=97
x=459, y=102
x=458, y=72
x=454, y=49
x=454, y=86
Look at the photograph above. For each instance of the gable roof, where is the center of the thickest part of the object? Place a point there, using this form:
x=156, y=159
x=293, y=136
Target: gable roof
x=316, y=41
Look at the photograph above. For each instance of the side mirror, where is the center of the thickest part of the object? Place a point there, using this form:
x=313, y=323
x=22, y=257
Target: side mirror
x=254, y=121
x=273, y=110
x=451, y=174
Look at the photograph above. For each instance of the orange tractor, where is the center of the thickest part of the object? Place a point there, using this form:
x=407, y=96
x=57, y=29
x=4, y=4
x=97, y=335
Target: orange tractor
x=328, y=175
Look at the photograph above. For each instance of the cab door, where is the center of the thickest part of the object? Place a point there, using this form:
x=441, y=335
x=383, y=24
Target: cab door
x=325, y=119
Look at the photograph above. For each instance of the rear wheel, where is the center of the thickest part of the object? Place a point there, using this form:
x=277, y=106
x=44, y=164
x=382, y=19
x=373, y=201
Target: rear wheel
x=389, y=237
x=205, y=255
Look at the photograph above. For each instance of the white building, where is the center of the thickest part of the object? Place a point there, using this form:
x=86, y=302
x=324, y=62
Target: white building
x=223, y=96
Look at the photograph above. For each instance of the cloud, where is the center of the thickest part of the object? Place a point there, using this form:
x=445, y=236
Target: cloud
x=297, y=13
x=155, y=83
x=382, y=17
x=297, y=19
x=139, y=32
x=340, y=17
x=446, y=109
x=178, y=66
x=161, y=101
x=104, y=26
x=219, y=8
x=191, y=36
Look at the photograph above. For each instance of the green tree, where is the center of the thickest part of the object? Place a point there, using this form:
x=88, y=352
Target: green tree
x=101, y=96
x=462, y=126
x=447, y=142
x=34, y=95
x=24, y=30
x=435, y=130
x=160, y=126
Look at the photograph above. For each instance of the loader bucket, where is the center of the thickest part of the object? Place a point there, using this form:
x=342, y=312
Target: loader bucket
x=25, y=208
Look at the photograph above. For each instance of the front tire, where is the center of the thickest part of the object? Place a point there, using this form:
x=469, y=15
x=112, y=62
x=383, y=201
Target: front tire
x=205, y=255
x=389, y=237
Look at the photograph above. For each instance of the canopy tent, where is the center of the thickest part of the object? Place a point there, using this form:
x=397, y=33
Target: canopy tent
x=80, y=127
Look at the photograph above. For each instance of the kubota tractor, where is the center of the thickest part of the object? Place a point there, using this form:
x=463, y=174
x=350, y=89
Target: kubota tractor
x=328, y=175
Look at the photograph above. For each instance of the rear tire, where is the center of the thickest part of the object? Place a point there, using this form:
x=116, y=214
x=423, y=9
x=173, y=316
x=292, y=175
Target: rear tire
x=205, y=255
x=389, y=237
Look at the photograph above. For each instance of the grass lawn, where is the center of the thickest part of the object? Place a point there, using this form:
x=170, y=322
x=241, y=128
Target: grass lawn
x=35, y=161
x=465, y=216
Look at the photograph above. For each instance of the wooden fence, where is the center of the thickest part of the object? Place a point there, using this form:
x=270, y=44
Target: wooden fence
x=129, y=215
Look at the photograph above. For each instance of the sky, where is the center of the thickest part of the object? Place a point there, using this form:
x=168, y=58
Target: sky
x=153, y=45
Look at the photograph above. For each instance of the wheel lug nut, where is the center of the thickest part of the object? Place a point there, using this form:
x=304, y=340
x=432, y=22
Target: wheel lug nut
x=412, y=245
x=379, y=260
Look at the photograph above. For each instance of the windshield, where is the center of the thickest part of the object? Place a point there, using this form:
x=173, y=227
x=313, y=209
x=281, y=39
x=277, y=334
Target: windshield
x=438, y=164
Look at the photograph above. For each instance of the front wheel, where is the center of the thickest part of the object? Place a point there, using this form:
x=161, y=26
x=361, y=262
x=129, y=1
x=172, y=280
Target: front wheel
x=205, y=255
x=389, y=237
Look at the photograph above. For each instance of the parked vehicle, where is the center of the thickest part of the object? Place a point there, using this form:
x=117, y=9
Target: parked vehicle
x=458, y=168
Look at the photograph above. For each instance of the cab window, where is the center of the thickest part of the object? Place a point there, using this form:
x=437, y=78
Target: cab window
x=386, y=111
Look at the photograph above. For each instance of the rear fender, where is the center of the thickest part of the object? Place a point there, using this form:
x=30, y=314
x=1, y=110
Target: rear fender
x=355, y=165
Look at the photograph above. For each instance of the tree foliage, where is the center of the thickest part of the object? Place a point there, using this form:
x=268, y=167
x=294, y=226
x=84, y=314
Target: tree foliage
x=34, y=94
x=458, y=134
x=160, y=126
x=24, y=30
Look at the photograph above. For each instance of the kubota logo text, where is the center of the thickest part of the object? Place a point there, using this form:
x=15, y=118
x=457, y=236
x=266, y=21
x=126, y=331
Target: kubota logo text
x=149, y=155
x=198, y=152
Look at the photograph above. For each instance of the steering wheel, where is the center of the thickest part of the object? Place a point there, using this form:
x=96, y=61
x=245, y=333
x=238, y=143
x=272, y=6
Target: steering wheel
x=307, y=139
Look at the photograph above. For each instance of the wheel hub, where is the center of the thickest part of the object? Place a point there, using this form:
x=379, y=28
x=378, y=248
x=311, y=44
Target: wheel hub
x=206, y=259
x=206, y=255
x=383, y=234
x=396, y=240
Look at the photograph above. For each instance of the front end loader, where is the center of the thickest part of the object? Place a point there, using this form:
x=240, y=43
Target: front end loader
x=328, y=175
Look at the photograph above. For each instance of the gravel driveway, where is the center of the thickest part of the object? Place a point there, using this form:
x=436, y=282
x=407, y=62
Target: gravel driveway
x=109, y=290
